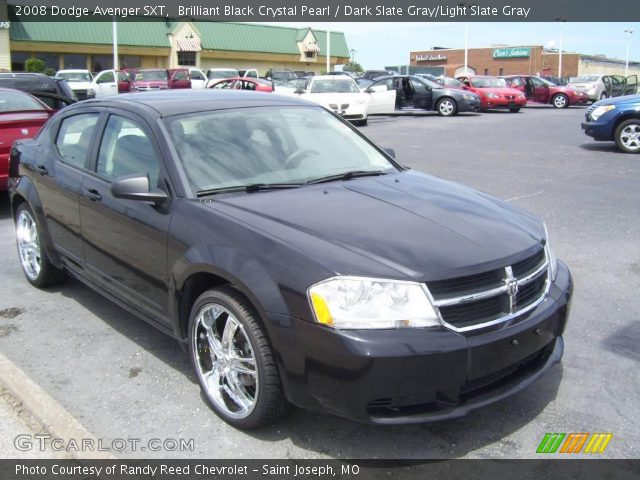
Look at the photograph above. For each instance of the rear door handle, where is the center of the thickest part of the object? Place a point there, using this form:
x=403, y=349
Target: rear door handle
x=93, y=195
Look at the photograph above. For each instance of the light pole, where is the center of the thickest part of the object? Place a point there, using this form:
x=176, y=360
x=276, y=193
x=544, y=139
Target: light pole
x=628, y=32
x=466, y=46
x=353, y=55
x=561, y=20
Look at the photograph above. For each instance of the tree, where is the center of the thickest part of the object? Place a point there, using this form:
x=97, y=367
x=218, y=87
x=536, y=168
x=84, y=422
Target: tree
x=35, y=65
x=351, y=66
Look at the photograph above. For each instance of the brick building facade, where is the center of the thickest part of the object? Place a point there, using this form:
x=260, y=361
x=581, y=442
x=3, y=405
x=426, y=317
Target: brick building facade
x=510, y=60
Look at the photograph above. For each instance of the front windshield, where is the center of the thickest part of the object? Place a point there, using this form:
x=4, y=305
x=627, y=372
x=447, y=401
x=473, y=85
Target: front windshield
x=488, y=82
x=75, y=76
x=449, y=82
x=269, y=145
x=222, y=74
x=334, y=85
x=152, y=75
x=582, y=79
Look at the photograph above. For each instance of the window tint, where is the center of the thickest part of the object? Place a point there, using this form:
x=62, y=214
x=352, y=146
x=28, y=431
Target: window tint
x=196, y=75
x=418, y=86
x=124, y=150
x=74, y=138
x=16, y=102
x=181, y=75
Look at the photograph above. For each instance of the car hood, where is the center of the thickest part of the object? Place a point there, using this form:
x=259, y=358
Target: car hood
x=498, y=91
x=334, y=97
x=80, y=85
x=150, y=83
x=627, y=99
x=405, y=225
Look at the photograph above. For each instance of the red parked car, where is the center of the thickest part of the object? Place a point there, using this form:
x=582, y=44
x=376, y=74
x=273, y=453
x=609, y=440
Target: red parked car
x=494, y=92
x=149, y=79
x=539, y=90
x=243, y=83
x=21, y=116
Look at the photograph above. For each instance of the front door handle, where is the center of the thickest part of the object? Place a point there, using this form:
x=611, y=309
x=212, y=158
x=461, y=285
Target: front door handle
x=42, y=170
x=93, y=195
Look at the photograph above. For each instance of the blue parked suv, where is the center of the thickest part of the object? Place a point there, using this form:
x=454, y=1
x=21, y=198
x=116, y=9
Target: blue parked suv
x=616, y=119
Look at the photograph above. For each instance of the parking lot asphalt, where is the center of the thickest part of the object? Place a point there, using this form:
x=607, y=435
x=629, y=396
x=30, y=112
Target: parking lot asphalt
x=122, y=379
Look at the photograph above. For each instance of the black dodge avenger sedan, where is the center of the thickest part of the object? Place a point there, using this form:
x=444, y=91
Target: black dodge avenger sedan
x=297, y=261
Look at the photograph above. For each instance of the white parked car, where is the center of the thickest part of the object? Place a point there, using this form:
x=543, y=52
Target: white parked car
x=198, y=78
x=215, y=74
x=80, y=82
x=338, y=93
x=111, y=82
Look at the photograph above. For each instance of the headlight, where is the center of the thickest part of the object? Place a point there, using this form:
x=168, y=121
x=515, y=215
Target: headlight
x=469, y=97
x=553, y=260
x=492, y=95
x=522, y=95
x=601, y=110
x=366, y=303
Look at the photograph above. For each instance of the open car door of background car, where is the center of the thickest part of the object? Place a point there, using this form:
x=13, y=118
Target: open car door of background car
x=382, y=97
x=105, y=84
x=422, y=94
x=630, y=85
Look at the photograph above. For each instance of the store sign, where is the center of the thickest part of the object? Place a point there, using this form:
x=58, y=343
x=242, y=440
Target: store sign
x=512, y=52
x=430, y=58
x=4, y=25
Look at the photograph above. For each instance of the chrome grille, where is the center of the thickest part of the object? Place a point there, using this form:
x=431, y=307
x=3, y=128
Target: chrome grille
x=589, y=110
x=477, y=301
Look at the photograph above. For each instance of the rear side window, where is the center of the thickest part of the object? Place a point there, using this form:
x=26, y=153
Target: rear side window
x=74, y=138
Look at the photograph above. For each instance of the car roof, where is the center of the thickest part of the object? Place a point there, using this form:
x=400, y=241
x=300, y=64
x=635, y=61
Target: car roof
x=74, y=70
x=177, y=102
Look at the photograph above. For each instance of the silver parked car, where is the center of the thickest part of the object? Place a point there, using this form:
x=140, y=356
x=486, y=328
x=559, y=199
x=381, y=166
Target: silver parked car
x=599, y=87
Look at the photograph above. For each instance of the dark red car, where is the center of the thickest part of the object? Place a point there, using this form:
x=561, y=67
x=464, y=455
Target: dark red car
x=21, y=116
x=494, y=92
x=149, y=79
x=539, y=90
x=238, y=83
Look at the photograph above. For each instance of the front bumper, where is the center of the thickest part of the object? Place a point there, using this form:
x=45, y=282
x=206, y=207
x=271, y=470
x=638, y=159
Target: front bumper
x=490, y=103
x=418, y=375
x=599, y=130
x=469, y=105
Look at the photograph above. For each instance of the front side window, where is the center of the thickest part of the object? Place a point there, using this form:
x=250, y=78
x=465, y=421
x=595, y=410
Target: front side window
x=74, y=138
x=126, y=149
x=181, y=75
x=196, y=75
x=106, y=77
x=248, y=146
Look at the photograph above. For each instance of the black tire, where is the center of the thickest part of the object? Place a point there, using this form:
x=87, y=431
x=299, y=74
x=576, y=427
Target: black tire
x=446, y=107
x=514, y=109
x=47, y=274
x=362, y=123
x=269, y=403
x=560, y=100
x=603, y=95
x=627, y=136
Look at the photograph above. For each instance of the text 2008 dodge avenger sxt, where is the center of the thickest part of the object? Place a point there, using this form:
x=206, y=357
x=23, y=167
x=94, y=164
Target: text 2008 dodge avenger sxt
x=296, y=260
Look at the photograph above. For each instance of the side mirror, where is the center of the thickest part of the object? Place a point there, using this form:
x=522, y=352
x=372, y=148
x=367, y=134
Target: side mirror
x=299, y=91
x=136, y=187
x=390, y=151
x=369, y=90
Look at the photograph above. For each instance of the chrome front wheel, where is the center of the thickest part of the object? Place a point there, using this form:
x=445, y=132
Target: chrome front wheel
x=233, y=359
x=627, y=136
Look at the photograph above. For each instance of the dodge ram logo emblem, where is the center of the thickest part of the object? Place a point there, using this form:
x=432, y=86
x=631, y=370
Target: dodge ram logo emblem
x=512, y=288
x=24, y=131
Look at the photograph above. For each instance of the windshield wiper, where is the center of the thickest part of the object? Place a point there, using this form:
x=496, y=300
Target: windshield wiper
x=253, y=187
x=347, y=176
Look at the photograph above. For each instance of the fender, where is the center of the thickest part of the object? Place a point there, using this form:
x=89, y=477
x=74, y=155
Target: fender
x=251, y=278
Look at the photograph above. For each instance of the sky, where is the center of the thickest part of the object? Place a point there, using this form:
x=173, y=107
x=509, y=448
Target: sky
x=385, y=44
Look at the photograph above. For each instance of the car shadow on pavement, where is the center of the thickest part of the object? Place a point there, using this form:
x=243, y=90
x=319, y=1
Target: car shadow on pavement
x=146, y=336
x=456, y=438
x=600, y=147
x=340, y=438
x=5, y=206
x=624, y=341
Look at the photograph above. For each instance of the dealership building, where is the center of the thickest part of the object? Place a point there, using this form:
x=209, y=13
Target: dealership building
x=511, y=60
x=166, y=44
